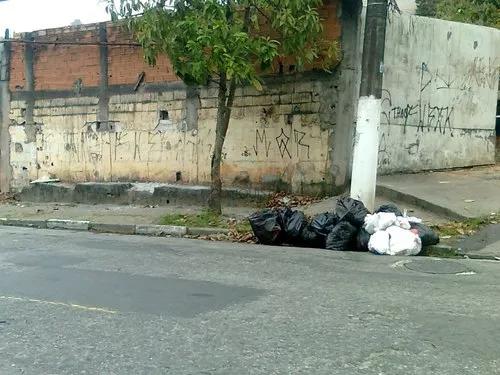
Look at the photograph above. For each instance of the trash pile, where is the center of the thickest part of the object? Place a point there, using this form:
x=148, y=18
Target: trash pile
x=351, y=227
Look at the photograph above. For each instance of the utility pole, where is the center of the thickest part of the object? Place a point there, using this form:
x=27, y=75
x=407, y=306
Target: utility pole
x=5, y=168
x=366, y=140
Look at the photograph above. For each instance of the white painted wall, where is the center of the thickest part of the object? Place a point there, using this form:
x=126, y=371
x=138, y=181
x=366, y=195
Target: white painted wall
x=440, y=95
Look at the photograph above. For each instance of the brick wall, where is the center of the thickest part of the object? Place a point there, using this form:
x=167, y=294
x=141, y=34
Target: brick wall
x=125, y=63
x=59, y=67
x=17, y=79
x=75, y=128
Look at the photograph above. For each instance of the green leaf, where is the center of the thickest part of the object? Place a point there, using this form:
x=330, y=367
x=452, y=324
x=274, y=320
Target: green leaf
x=256, y=83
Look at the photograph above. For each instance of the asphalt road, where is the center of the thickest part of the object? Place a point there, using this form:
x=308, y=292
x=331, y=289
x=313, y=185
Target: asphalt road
x=79, y=303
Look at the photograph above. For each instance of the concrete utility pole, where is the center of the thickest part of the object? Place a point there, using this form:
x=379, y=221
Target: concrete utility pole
x=5, y=168
x=366, y=140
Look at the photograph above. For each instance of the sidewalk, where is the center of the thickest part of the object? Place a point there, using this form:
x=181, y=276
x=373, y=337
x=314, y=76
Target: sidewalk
x=105, y=213
x=435, y=197
x=459, y=194
x=107, y=218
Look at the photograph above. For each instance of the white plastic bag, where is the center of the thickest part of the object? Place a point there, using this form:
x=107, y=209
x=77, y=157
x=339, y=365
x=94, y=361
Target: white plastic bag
x=403, y=223
x=379, y=222
x=380, y=243
x=403, y=242
x=412, y=219
x=395, y=241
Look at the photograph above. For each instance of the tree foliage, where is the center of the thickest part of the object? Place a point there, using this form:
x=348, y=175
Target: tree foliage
x=426, y=8
x=480, y=12
x=204, y=38
x=228, y=42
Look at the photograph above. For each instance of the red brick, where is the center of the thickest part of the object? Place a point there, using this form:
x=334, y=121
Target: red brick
x=57, y=67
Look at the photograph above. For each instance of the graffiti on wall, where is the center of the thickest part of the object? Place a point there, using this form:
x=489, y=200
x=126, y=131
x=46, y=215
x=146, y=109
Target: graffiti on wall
x=439, y=98
x=289, y=143
x=101, y=154
x=425, y=114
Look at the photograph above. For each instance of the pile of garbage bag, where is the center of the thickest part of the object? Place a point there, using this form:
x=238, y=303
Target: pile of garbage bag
x=351, y=227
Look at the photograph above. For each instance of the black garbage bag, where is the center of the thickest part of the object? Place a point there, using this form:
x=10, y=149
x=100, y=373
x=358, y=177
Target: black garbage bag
x=323, y=224
x=351, y=210
x=267, y=227
x=284, y=214
x=389, y=207
x=294, y=225
x=426, y=234
x=342, y=237
x=309, y=238
x=362, y=240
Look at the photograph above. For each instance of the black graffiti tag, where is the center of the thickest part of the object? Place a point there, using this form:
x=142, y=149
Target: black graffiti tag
x=261, y=138
x=299, y=141
x=283, y=140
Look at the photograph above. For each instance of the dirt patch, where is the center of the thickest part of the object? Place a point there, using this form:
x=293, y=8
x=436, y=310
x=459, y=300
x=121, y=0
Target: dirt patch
x=290, y=200
x=7, y=198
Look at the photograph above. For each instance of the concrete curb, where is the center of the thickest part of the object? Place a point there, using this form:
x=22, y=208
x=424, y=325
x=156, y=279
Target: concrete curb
x=112, y=228
x=68, y=224
x=446, y=250
x=416, y=201
x=40, y=224
x=160, y=230
x=207, y=231
x=482, y=257
x=130, y=229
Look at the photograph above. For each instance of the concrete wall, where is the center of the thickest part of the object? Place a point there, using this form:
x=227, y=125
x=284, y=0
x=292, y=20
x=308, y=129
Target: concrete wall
x=98, y=113
x=440, y=95
x=275, y=135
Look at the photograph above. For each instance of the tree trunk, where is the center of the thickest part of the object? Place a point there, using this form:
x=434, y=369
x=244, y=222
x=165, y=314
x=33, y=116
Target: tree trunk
x=224, y=105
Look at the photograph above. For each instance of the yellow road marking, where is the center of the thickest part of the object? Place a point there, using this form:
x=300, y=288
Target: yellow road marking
x=71, y=305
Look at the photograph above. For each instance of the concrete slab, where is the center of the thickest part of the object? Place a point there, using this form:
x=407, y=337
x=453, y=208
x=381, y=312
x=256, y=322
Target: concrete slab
x=91, y=192
x=485, y=244
x=136, y=193
x=491, y=252
x=458, y=194
x=50, y=192
x=68, y=224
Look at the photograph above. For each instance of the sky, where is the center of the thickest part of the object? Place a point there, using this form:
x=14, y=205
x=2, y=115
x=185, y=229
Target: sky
x=30, y=15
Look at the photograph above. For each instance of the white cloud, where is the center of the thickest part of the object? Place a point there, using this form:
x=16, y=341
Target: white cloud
x=30, y=15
